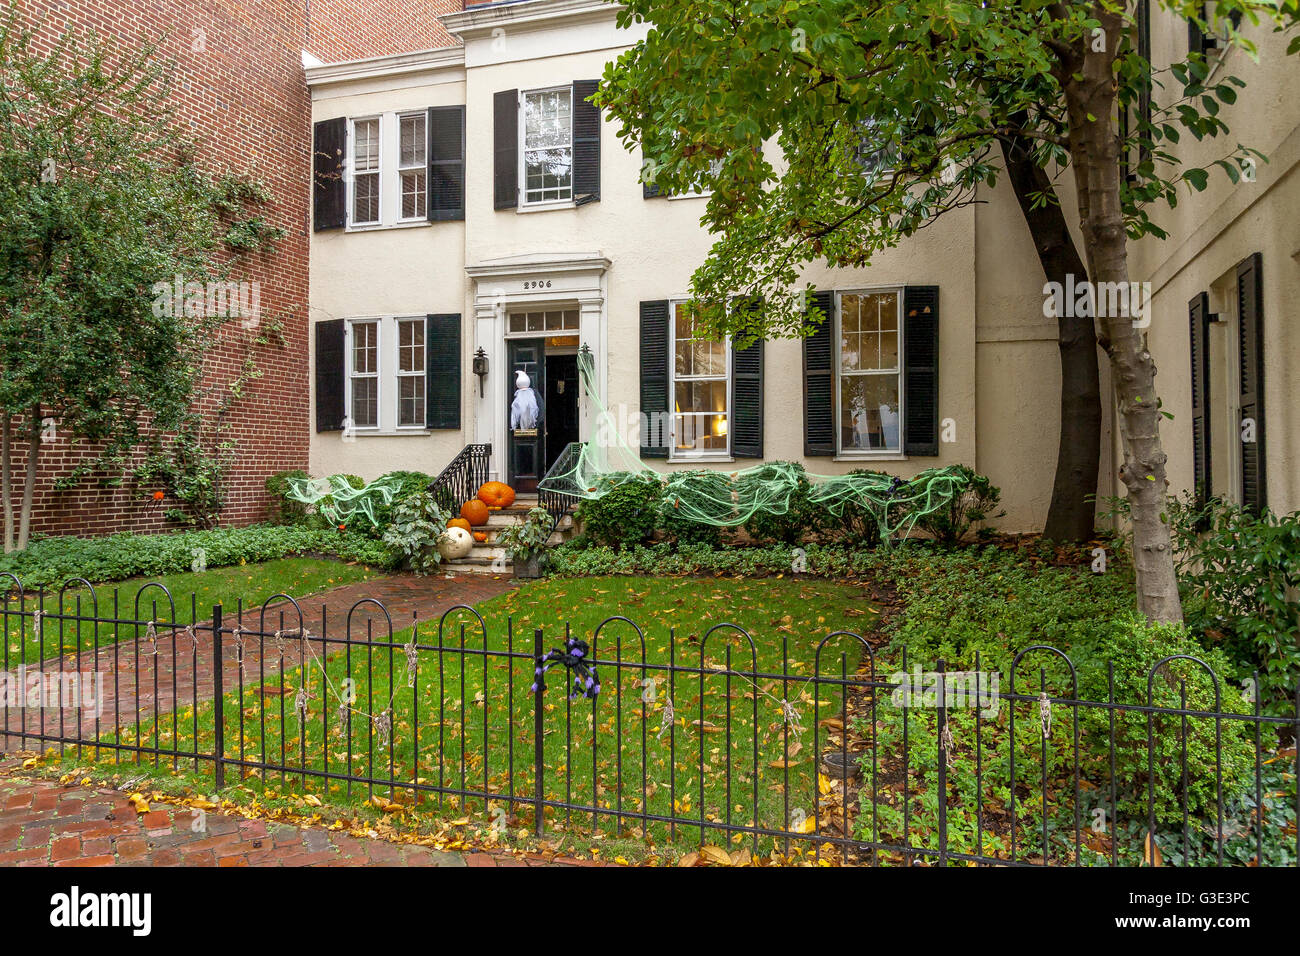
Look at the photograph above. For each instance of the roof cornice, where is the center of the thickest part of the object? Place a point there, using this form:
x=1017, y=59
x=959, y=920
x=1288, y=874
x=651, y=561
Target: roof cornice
x=422, y=61
x=479, y=21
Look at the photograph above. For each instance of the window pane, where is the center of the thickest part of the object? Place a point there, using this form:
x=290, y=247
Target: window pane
x=365, y=403
x=410, y=345
x=365, y=151
x=413, y=141
x=366, y=196
x=410, y=407
x=413, y=194
x=364, y=348
x=869, y=412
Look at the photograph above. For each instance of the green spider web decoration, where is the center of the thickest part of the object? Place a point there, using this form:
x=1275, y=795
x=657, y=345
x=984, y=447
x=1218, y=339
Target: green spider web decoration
x=336, y=499
x=589, y=470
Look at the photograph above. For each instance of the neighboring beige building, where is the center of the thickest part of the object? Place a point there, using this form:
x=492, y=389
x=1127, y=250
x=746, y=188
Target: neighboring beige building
x=469, y=203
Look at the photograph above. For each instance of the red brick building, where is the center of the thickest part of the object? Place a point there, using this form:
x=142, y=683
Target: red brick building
x=240, y=87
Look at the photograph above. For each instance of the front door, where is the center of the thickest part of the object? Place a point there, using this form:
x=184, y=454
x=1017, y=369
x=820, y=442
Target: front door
x=561, y=403
x=526, y=414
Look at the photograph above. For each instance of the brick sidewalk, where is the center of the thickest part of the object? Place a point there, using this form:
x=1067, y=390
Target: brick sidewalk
x=45, y=823
x=178, y=672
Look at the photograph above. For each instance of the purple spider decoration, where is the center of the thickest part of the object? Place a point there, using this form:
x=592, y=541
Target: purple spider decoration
x=574, y=657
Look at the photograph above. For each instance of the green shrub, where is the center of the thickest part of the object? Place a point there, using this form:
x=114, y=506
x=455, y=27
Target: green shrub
x=972, y=505
x=797, y=518
x=411, y=536
x=856, y=523
x=624, y=515
x=711, y=485
x=284, y=509
x=49, y=562
x=406, y=483
x=1239, y=574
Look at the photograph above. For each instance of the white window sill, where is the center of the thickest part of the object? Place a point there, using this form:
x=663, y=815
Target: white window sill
x=523, y=208
x=380, y=226
x=675, y=197
x=880, y=456
x=702, y=460
x=411, y=432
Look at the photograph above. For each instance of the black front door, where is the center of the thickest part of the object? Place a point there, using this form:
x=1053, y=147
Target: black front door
x=561, y=405
x=526, y=421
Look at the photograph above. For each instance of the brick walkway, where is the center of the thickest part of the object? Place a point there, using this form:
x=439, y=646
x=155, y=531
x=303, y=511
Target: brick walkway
x=44, y=823
x=178, y=669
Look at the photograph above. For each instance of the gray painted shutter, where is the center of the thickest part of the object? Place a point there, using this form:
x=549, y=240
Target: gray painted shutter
x=1250, y=349
x=921, y=370
x=746, y=426
x=505, y=149
x=586, y=143
x=819, y=383
x=442, y=385
x=330, y=409
x=446, y=163
x=329, y=192
x=654, y=379
x=1198, y=322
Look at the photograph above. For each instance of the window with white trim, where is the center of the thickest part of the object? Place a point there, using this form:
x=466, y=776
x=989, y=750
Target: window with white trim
x=546, y=145
x=410, y=372
x=365, y=172
x=363, y=373
x=700, y=384
x=412, y=164
x=868, y=374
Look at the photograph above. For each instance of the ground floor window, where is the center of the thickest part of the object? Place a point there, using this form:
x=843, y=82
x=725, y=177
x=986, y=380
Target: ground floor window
x=700, y=387
x=363, y=374
x=868, y=392
x=411, y=352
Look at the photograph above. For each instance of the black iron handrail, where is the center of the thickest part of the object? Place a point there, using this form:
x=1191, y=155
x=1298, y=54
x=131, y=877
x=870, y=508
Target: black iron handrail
x=463, y=476
x=558, y=503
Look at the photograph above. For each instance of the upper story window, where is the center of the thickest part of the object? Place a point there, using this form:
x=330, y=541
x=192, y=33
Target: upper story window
x=365, y=171
x=412, y=165
x=546, y=145
x=700, y=387
x=869, y=371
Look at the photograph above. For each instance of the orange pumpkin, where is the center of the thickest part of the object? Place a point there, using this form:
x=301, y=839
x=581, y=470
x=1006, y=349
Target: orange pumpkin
x=459, y=523
x=475, y=512
x=496, y=494
x=480, y=536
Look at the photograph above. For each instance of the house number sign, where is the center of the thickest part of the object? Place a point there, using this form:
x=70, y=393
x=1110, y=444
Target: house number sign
x=537, y=284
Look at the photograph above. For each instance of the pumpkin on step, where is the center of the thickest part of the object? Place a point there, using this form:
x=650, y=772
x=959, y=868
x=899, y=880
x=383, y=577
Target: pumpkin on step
x=480, y=536
x=475, y=512
x=496, y=494
x=459, y=523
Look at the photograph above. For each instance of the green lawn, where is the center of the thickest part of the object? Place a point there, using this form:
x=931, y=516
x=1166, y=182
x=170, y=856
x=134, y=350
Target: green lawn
x=252, y=583
x=468, y=721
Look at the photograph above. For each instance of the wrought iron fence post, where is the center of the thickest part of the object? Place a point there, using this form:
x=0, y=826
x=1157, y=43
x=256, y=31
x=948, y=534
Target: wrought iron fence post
x=943, y=765
x=539, y=769
x=218, y=700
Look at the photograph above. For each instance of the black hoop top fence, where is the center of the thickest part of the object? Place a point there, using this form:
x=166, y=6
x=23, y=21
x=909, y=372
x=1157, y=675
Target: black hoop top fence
x=678, y=737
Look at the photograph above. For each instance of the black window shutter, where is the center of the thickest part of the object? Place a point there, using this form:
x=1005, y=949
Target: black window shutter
x=442, y=384
x=1250, y=324
x=329, y=192
x=1198, y=322
x=505, y=136
x=654, y=379
x=819, y=383
x=921, y=370
x=330, y=409
x=446, y=163
x=746, y=426
x=586, y=143
x=649, y=191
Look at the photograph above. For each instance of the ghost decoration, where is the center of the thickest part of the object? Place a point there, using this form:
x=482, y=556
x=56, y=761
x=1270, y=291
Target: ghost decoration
x=524, y=409
x=455, y=543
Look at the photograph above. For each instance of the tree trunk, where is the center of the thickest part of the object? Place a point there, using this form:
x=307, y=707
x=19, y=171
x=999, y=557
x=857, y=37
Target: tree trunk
x=29, y=484
x=6, y=481
x=1070, y=517
x=1089, y=88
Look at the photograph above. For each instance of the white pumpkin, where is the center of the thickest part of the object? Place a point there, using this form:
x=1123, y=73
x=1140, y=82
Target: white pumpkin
x=455, y=543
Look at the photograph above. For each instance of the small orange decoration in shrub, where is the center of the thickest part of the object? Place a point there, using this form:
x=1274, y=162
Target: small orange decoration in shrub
x=474, y=511
x=157, y=496
x=480, y=536
x=496, y=494
x=459, y=523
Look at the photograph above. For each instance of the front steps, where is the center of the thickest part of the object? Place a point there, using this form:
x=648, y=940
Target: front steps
x=488, y=557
